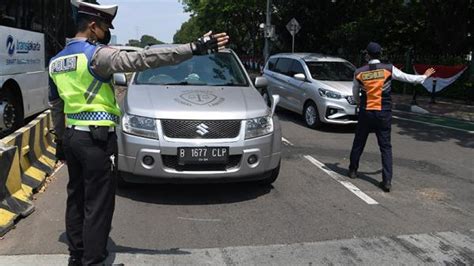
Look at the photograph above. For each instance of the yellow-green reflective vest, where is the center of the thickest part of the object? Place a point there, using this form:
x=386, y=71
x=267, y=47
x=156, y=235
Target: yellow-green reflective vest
x=88, y=100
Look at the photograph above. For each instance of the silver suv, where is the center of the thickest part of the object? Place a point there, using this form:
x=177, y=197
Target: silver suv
x=201, y=120
x=317, y=86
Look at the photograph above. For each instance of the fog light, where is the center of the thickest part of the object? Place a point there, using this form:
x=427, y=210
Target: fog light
x=252, y=159
x=148, y=160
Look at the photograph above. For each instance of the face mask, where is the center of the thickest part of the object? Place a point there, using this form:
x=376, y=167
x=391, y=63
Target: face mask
x=106, y=39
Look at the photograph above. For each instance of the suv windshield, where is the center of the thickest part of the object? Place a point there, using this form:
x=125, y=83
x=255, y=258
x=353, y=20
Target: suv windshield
x=336, y=71
x=220, y=69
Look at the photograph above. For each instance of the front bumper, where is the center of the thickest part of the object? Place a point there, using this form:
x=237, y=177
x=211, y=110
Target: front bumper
x=336, y=111
x=132, y=150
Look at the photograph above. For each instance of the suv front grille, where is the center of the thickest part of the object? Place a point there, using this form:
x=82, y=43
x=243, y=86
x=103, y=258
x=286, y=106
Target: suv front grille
x=197, y=129
x=171, y=161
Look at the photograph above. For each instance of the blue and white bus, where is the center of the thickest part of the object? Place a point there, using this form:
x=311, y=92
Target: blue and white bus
x=29, y=35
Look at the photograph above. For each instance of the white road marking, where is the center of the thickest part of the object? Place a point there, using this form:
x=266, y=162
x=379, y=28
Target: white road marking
x=351, y=187
x=286, y=141
x=199, y=220
x=431, y=124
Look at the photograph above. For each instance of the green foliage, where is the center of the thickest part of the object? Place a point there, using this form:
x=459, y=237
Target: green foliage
x=188, y=32
x=145, y=40
x=239, y=19
x=430, y=27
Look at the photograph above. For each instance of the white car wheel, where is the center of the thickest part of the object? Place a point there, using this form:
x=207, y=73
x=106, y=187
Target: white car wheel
x=311, y=115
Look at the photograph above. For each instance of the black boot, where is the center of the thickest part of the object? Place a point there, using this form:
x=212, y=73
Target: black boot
x=352, y=173
x=385, y=187
x=74, y=261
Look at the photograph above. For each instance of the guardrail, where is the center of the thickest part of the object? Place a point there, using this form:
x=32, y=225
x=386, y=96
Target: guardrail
x=26, y=159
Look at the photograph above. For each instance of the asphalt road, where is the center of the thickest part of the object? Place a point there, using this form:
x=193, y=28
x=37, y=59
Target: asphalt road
x=311, y=214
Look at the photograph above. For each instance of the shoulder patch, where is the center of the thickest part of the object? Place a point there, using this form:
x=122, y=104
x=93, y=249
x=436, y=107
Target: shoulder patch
x=376, y=74
x=62, y=65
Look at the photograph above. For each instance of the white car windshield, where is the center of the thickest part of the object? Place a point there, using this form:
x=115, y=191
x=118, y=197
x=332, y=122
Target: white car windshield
x=220, y=69
x=335, y=71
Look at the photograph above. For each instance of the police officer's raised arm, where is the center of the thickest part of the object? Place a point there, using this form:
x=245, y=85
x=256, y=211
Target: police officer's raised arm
x=107, y=60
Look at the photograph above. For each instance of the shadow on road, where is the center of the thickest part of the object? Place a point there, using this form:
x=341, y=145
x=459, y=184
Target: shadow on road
x=366, y=176
x=113, y=248
x=428, y=133
x=194, y=194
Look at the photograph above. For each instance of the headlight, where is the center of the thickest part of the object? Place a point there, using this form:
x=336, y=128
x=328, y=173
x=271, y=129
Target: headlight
x=140, y=126
x=329, y=94
x=259, y=126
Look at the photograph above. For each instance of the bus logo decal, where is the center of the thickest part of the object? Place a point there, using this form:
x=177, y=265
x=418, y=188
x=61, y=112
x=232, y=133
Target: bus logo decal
x=10, y=45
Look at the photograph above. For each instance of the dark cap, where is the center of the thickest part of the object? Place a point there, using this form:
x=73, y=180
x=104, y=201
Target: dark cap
x=374, y=48
x=106, y=13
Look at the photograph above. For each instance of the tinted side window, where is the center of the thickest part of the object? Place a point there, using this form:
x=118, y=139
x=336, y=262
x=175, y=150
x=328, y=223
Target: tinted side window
x=296, y=68
x=283, y=66
x=271, y=63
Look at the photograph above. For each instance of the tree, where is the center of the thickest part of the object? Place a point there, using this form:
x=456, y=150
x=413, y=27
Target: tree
x=431, y=27
x=145, y=40
x=239, y=19
x=149, y=40
x=188, y=32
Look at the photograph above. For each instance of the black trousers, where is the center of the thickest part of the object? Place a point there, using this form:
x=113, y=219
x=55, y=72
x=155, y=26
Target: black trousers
x=91, y=194
x=379, y=122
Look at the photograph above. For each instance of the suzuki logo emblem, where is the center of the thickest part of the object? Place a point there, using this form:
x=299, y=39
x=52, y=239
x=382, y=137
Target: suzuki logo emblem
x=202, y=129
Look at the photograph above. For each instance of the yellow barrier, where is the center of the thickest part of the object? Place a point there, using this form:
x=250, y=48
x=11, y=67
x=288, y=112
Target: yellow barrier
x=36, y=151
x=26, y=158
x=15, y=202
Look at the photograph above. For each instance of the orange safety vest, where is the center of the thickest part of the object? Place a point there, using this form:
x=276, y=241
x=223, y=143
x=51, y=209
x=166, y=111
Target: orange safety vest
x=375, y=81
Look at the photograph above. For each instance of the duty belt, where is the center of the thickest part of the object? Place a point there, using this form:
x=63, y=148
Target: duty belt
x=94, y=116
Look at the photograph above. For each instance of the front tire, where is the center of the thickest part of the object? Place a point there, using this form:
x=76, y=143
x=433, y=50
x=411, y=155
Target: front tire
x=12, y=111
x=311, y=116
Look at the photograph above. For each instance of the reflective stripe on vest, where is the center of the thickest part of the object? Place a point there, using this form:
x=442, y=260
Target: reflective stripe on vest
x=87, y=100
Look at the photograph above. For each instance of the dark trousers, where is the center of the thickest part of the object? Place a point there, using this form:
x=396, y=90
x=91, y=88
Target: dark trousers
x=91, y=194
x=379, y=122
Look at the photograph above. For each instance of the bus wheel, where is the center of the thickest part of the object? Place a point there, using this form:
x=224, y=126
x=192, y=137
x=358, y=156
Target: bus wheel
x=11, y=113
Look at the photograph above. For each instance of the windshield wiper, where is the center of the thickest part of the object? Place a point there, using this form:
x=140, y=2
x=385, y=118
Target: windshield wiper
x=226, y=84
x=177, y=83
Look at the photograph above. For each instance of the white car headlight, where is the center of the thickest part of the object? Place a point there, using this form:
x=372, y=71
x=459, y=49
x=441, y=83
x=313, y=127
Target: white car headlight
x=329, y=94
x=140, y=126
x=259, y=126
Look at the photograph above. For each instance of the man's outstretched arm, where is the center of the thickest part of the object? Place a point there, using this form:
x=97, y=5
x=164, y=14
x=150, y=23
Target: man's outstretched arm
x=107, y=60
x=399, y=75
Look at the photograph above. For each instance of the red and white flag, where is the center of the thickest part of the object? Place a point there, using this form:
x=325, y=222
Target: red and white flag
x=444, y=75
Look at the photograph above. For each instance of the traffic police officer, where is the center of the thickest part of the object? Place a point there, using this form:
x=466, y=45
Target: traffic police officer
x=82, y=92
x=373, y=83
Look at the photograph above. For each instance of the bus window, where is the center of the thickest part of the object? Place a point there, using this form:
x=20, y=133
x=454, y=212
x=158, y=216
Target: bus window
x=8, y=13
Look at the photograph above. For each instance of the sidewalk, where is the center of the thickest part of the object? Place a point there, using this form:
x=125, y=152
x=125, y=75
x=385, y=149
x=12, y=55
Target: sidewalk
x=442, y=107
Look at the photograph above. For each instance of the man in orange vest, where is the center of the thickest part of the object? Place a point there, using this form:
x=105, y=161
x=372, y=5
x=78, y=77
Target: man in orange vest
x=372, y=91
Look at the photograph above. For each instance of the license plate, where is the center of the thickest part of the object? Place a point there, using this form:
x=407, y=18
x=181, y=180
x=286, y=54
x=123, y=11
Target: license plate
x=207, y=155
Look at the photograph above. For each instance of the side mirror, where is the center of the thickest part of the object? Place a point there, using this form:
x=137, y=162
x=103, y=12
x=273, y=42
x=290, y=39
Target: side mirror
x=300, y=76
x=120, y=79
x=261, y=82
x=276, y=100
